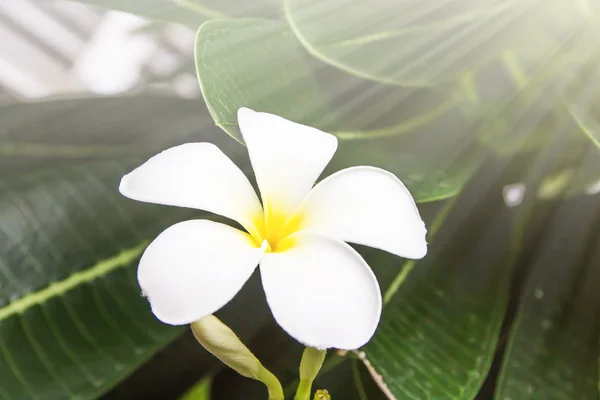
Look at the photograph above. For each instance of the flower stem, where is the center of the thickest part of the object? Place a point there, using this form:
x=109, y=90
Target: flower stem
x=312, y=360
x=272, y=383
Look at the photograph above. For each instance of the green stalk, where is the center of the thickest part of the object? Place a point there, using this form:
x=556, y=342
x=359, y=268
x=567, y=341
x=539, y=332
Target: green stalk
x=312, y=360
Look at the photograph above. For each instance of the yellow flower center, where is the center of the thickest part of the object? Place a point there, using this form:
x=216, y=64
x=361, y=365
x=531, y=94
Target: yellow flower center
x=275, y=228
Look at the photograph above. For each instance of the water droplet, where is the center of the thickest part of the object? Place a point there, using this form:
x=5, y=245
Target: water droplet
x=513, y=194
x=538, y=293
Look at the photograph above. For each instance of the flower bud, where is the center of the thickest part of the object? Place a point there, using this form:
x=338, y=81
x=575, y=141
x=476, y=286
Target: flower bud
x=218, y=339
x=322, y=394
x=310, y=365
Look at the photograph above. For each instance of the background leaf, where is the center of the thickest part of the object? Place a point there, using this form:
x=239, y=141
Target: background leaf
x=258, y=64
x=64, y=132
x=276, y=78
x=440, y=326
x=416, y=43
x=553, y=350
x=72, y=320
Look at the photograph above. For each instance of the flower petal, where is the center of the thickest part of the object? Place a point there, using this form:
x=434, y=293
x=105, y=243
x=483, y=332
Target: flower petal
x=287, y=157
x=195, y=175
x=194, y=268
x=322, y=292
x=368, y=206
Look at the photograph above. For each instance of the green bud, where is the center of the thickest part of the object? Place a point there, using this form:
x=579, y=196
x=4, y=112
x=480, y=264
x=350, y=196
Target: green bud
x=218, y=339
x=310, y=365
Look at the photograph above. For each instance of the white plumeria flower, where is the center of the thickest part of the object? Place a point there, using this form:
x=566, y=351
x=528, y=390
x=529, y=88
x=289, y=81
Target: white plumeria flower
x=319, y=289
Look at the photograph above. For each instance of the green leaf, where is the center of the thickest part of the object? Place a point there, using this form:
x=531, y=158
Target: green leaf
x=70, y=131
x=440, y=322
x=422, y=43
x=529, y=117
x=552, y=350
x=424, y=177
x=73, y=322
x=258, y=64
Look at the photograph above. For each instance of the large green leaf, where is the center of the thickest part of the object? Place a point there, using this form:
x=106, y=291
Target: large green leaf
x=440, y=326
x=531, y=113
x=553, y=345
x=425, y=178
x=72, y=319
x=70, y=131
x=257, y=64
x=421, y=43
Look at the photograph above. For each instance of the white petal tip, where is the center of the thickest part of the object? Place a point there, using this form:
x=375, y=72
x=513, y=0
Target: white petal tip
x=173, y=322
x=123, y=185
x=244, y=111
x=421, y=253
x=418, y=251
